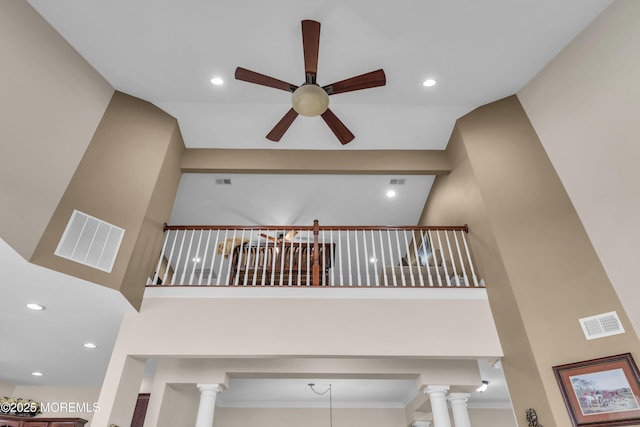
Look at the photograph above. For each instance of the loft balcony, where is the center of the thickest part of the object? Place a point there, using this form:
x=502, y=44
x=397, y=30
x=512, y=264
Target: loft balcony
x=316, y=256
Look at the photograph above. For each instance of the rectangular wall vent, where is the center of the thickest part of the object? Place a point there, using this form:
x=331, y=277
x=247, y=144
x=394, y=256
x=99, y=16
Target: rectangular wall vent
x=90, y=241
x=205, y=274
x=601, y=325
x=399, y=181
x=223, y=181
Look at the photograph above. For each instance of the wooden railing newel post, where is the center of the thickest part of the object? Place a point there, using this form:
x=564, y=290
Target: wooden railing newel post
x=316, y=256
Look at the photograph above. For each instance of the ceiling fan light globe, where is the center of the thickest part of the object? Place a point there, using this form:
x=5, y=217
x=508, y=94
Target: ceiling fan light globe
x=310, y=100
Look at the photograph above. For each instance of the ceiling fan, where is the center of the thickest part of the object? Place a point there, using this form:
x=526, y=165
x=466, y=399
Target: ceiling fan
x=311, y=99
x=288, y=237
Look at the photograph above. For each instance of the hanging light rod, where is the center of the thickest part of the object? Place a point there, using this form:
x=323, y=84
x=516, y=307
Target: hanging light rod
x=311, y=385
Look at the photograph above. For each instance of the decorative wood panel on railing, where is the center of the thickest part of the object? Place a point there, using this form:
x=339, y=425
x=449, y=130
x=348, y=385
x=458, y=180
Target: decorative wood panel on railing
x=384, y=256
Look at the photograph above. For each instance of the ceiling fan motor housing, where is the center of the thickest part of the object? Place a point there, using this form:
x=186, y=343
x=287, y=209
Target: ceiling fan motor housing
x=310, y=100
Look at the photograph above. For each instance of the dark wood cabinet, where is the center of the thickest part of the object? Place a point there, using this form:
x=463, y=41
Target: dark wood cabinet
x=11, y=421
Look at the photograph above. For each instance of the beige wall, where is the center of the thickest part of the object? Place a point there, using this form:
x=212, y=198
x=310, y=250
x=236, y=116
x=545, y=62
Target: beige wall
x=52, y=102
x=541, y=271
x=343, y=417
x=6, y=389
x=179, y=407
x=493, y=418
x=309, y=417
x=60, y=398
x=128, y=177
x=584, y=106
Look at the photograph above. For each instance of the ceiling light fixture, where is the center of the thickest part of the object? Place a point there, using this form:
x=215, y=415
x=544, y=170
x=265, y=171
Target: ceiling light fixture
x=196, y=259
x=310, y=100
x=217, y=81
x=429, y=83
x=35, y=307
x=37, y=374
x=483, y=387
x=89, y=345
x=391, y=193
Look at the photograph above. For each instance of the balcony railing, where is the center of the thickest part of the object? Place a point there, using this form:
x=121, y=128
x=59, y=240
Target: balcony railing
x=384, y=256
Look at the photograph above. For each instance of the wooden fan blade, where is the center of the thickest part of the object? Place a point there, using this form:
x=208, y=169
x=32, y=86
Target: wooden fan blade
x=290, y=235
x=363, y=81
x=266, y=236
x=282, y=126
x=311, y=46
x=339, y=129
x=260, y=79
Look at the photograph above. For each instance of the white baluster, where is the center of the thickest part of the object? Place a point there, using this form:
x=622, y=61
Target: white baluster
x=464, y=270
x=349, y=258
x=391, y=261
x=417, y=256
x=193, y=269
x=409, y=261
x=403, y=280
x=227, y=280
x=453, y=264
x=356, y=244
x=384, y=263
x=375, y=259
x=177, y=269
x=366, y=256
x=186, y=260
x=164, y=245
x=466, y=248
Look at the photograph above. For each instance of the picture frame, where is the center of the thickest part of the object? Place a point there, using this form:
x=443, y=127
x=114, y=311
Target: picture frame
x=601, y=392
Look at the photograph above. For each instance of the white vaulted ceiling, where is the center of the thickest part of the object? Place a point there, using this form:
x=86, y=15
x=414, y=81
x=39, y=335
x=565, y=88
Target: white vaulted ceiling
x=167, y=51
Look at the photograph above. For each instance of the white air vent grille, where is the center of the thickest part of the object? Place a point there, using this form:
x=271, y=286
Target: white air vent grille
x=399, y=181
x=205, y=273
x=602, y=325
x=223, y=181
x=90, y=241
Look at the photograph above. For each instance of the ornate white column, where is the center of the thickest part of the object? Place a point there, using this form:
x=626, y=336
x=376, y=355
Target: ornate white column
x=459, y=409
x=208, y=395
x=437, y=396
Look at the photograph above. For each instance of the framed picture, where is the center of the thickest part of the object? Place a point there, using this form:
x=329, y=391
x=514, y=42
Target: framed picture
x=601, y=392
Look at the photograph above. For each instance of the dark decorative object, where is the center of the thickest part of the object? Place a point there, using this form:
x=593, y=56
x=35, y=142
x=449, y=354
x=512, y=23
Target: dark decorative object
x=19, y=407
x=532, y=418
x=601, y=392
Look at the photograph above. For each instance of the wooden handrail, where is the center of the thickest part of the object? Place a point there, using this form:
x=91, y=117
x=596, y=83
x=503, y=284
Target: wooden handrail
x=464, y=228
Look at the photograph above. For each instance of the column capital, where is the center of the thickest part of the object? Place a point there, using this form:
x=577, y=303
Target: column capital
x=436, y=390
x=458, y=397
x=209, y=388
x=421, y=423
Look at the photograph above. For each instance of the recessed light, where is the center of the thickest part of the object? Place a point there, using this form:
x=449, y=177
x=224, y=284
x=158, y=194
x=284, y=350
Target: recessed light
x=391, y=193
x=37, y=374
x=89, y=345
x=196, y=259
x=429, y=83
x=372, y=260
x=35, y=307
x=217, y=81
